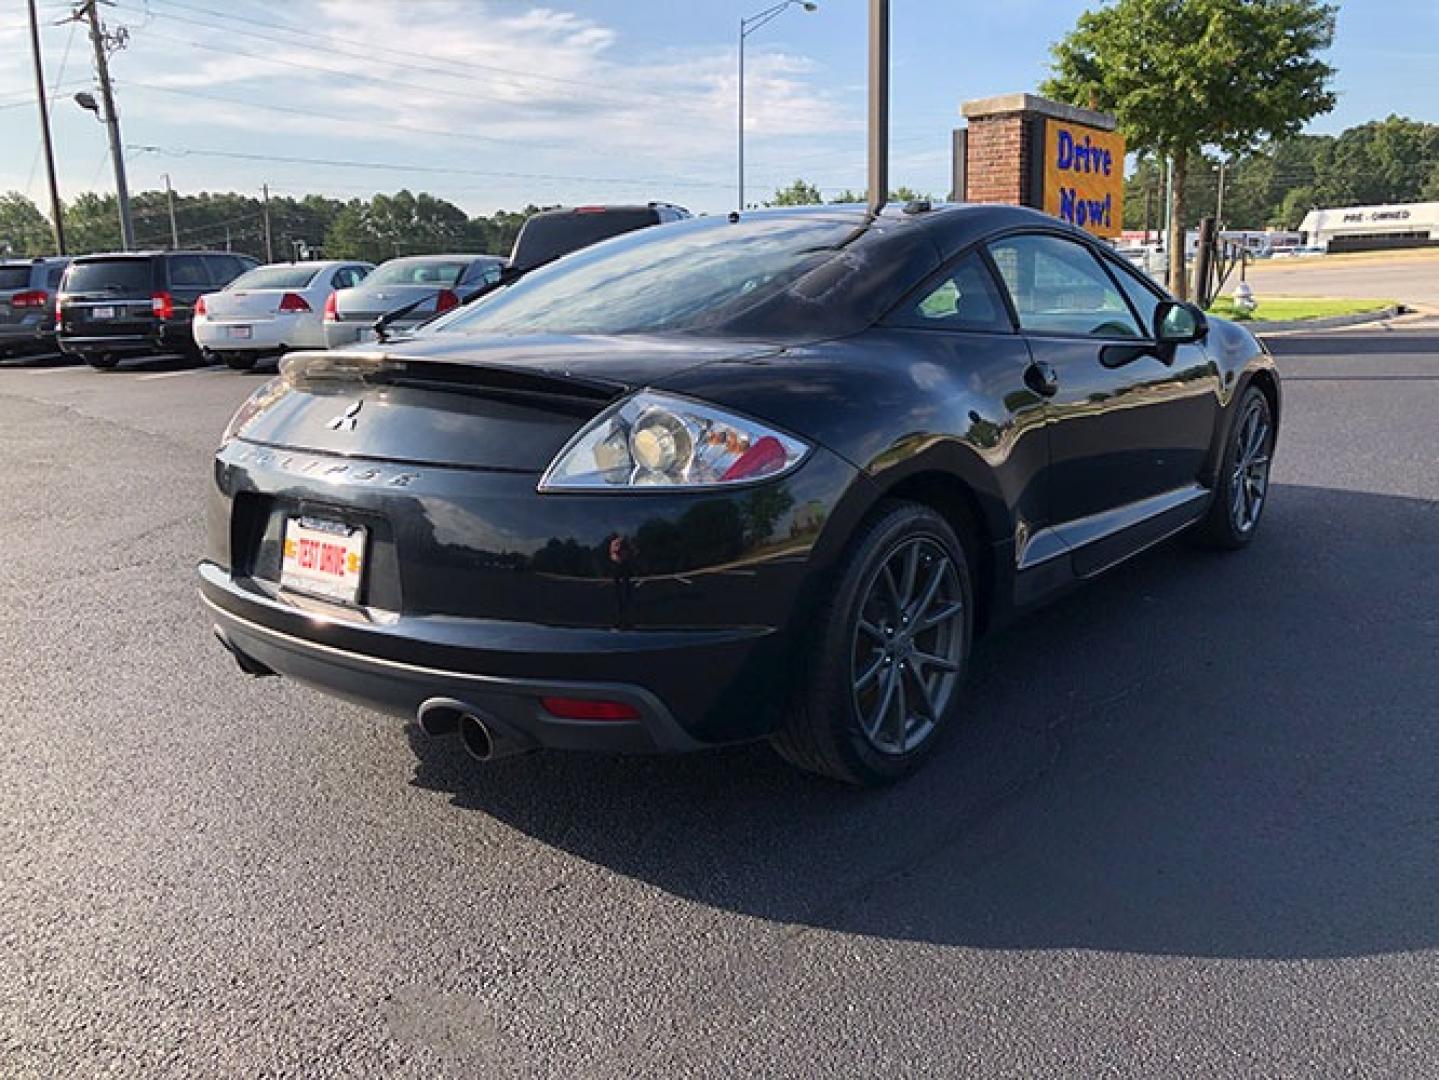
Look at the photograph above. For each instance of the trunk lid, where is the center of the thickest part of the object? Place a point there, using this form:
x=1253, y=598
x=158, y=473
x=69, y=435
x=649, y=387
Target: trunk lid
x=252, y=304
x=108, y=296
x=503, y=404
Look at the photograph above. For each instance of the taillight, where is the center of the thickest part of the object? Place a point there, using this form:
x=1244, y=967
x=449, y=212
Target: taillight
x=446, y=299
x=33, y=298
x=294, y=302
x=200, y=308
x=163, y=305
x=332, y=310
x=565, y=708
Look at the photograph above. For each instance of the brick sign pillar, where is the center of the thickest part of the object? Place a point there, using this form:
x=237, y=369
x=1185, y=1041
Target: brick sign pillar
x=1026, y=150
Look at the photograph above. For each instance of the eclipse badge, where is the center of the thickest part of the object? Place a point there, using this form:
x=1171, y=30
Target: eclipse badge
x=346, y=420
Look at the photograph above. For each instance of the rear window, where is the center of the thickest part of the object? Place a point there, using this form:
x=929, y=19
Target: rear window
x=547, y=237
x=439, y=274
x=276, y=277
x=110, y=275
x=14, y=277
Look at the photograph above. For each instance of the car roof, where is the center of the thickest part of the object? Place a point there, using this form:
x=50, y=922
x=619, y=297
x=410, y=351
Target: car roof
x=97, y=255
x=439, y=258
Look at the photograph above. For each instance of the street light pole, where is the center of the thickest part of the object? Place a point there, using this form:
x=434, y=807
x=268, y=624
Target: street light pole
x=748, y=26
x=878, y=105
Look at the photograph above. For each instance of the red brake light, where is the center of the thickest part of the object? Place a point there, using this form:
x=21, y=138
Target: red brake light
x=163, y=305
x=200, y=308
x=332, y=310
x=445, y=299
x=763, y=457
x=587, y=709
x=295, y=302
x=33, y=298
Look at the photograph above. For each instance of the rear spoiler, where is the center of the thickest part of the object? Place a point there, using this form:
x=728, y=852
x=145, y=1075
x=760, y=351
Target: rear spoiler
x=377, y=368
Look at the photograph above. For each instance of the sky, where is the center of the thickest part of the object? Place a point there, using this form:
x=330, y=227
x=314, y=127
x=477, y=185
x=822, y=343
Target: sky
x=497, y=103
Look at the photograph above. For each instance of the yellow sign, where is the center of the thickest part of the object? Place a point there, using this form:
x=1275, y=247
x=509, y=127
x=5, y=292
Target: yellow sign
x=1084, y=177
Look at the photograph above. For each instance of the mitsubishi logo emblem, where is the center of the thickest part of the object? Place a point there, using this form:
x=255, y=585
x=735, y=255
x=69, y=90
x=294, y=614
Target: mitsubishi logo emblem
x=346, y=420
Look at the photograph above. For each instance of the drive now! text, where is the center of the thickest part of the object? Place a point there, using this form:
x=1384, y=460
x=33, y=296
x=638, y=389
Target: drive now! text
x=1084, y=158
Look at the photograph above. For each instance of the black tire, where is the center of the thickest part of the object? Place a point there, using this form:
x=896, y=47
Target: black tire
x=238, y=361
x=102, y=361
x=1234, y=515
x=826, y=731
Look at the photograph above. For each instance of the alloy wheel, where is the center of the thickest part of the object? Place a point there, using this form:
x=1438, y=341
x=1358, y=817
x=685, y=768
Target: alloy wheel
x=908, y=645
x=1249, y=476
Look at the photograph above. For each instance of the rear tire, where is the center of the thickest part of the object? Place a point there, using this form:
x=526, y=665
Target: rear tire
x=1241, y=489
x=238, y=361
x=883, y=675
x=102, y=361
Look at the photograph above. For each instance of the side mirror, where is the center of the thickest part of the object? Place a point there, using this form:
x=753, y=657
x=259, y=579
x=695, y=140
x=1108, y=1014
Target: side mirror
x=1179, y=324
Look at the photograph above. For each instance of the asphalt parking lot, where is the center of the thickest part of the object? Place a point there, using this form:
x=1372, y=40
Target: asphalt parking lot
x=1191, y=827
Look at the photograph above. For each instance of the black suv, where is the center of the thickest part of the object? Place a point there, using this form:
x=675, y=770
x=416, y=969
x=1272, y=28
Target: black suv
x=137, y=303
x=549, y=234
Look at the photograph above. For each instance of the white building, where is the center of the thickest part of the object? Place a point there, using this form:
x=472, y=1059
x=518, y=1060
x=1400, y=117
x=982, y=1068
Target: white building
x=1369, y=228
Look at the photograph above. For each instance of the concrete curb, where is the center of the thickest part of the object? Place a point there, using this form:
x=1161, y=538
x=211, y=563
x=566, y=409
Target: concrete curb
x=1333, y=322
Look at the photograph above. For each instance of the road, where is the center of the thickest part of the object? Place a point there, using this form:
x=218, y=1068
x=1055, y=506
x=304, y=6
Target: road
x=1410, y=277
x=1189, y=828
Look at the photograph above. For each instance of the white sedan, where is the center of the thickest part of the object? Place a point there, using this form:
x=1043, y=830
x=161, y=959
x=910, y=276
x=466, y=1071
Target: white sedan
x=270, y=310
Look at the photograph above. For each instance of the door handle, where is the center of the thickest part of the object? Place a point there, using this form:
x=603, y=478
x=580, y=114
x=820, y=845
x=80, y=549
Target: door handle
x=1042, y=378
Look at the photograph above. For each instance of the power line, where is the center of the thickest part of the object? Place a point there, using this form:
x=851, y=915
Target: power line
x=396, y=167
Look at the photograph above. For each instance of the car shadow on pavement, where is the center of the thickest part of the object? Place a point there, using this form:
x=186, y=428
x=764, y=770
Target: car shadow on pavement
x=1216, y=755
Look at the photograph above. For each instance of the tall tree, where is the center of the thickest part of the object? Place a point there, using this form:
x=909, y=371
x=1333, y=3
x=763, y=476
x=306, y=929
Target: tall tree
x=1182, y=75
x=24, y=231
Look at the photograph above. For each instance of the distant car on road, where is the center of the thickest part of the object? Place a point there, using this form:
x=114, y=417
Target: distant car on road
x=271, y=309
x=138, y=303
x=738, y=477
x=427, y=284
x=27, y=304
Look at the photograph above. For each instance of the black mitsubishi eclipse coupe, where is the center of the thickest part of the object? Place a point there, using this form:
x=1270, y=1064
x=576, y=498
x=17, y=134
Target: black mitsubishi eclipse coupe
x=763, y=476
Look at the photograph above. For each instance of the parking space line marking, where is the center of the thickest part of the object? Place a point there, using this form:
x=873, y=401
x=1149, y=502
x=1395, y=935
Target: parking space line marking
x=175, y=374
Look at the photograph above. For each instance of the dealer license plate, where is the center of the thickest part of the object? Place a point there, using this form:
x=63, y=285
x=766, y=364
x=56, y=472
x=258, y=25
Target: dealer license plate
x=239, y=332
x=323, y=558
x=102, y=313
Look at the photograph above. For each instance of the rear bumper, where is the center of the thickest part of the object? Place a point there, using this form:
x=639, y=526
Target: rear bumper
x=361, y=663
x=23, y=336
x=266, y=336
x=165, y=338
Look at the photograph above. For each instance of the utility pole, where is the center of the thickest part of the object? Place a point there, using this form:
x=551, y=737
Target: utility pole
x=1219, y=202
x=1168, y=220
x=1149, y=207
x=170, y=199
x=878, y=104
x=265, y=207
x=99, y=41
x=57, y=219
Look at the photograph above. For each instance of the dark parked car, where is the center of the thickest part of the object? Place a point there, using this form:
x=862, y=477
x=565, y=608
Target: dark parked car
x=411, y=290
x=139, y=303
x=765, y=476
x=545, y=236
x=27, y=304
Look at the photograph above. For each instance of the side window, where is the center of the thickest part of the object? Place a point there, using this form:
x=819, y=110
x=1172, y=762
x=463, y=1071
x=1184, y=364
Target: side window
x=963, y=297
x=478, y=273
x=1144, y=297
x=188, y=272
x=347, y=277
x=1058, y=287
